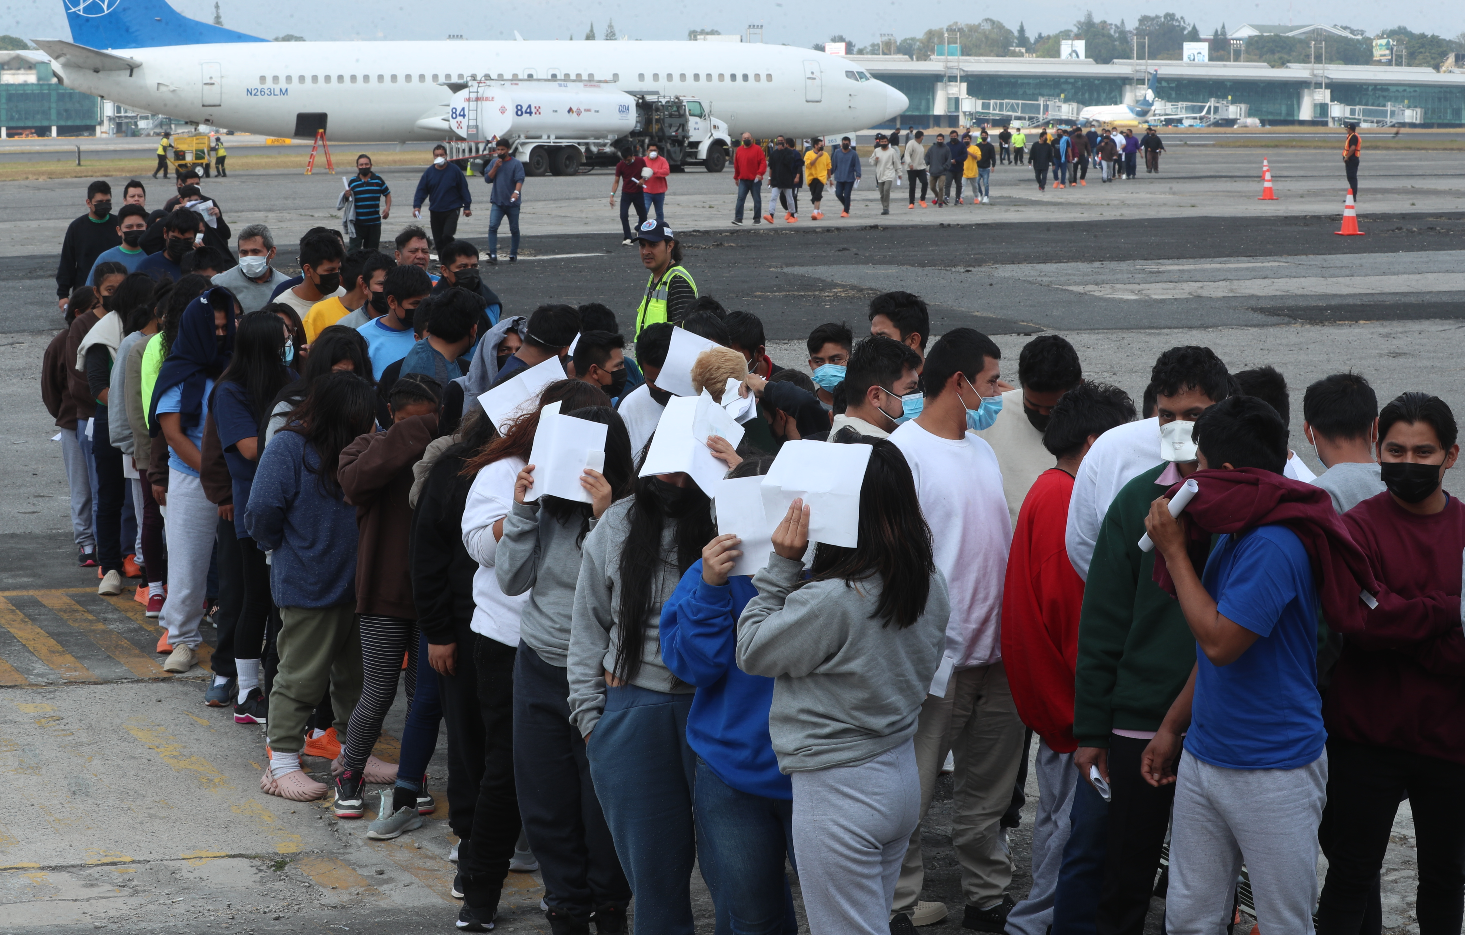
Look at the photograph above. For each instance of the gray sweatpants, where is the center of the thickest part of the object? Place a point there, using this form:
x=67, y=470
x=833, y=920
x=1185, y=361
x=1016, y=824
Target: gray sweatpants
x=851, y=825
x=1267, y=818
x=192, y=523
x=1057, y=784
x=78, y=480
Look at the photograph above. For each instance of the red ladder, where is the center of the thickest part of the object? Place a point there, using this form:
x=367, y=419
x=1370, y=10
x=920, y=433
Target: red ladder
x=320, y=143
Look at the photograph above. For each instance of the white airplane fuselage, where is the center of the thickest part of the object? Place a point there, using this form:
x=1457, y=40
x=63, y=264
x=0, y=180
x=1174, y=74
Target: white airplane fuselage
x=376, y=91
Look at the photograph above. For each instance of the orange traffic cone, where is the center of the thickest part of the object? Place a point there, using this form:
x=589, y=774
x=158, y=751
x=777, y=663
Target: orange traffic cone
x=1267, y=193
x=1350, y=219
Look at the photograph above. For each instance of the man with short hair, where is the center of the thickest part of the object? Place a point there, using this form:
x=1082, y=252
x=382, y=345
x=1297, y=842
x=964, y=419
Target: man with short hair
x=1047, y=368
x=829, y=347
x=132, y=223
x=134, y=194
x=745, y=335
x=389, y=337
x=459, y=264
x=1153, y=147
x=915, y=166
x=373, y=280
x=506, y=180
x=164, y=144
x=902, y=317
x=444, y=188
x=986, y=159
x=1004, y=146
x=785, y=174
x=551, y=331
x=749, y=166
x=938, y=165
x=451, y=330
x=333, y=308
x=969, y=710
x=1268, y=385
x=816, y=172
x=844, y=165
x=86, y=238
x=1340, y=420
x=880, y=374
x=600, y=360
x=321, y=256
x=886, y=164
x=371, y=203
x=1019, y=147
x=641, y=409
x=180, y=231
x=413, y=249
x=254, y=279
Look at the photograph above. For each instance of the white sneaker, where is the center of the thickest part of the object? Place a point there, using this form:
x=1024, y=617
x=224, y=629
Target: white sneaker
x=453, y=854
x=927, y=913
x=111, y=585
x=949, y=766
x=625, y=243
x=181, y=659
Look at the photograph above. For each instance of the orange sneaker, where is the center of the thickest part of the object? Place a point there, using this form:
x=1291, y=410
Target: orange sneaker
x=326, y=746
x=790, y=219
x=768, y=217
x=924, y=205
x=1083, y=183
x=130, y=567
x=844, y=214
x=163, y=647
x=817, y=215
x=1059, y=185
x=141, y=594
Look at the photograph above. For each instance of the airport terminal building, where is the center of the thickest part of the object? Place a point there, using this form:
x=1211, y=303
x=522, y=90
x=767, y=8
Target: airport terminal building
x=1292, y=94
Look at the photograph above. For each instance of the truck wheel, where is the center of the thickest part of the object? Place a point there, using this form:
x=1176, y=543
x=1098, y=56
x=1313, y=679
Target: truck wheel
x=538, y=162
x=716, y=159
x=566, y=160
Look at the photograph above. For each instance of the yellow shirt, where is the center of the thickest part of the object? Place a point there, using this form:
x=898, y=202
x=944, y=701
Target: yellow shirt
x=322, y=315
x=816, y=167
x=969, y=168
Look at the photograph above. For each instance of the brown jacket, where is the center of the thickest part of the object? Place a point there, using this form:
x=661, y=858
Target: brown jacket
x=55, y=380
x=77, y=389
x=218, y=485
x=376, y=477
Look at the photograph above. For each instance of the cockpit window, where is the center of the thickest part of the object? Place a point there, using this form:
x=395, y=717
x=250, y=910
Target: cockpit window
x=865, y=77
x=852, y=76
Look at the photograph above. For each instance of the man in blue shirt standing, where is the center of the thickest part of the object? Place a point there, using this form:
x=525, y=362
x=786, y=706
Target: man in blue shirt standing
x=844, y=164
x=506, y=177
x=1253, y=781
x=445, y=188
x=372, y=203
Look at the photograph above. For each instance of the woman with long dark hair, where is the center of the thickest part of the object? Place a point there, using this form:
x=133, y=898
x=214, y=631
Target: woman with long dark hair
x=256, y=373
x=335, y=349
x=540, y=555
x=297, y=511
x=132, y=302
x=480, y=704
x=152, y=551
x=631, y=710
x=852, y=653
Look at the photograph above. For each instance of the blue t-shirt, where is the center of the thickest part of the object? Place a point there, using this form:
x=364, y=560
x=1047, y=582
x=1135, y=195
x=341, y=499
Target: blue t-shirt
x=510, y=173
x=367, y=195
x=235, y=420
x=1262, y=711
x=384, y=345
x=158, y=264
x=116, y=255
x=170, y=401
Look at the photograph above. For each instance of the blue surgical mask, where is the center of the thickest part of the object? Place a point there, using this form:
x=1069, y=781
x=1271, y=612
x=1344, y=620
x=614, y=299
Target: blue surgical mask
x=911, y=407
x=828, y=376
x=288, y=354
x=979, y=419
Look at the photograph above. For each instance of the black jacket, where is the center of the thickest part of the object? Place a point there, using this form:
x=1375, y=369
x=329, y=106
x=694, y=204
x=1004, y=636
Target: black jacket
x=1041, y=154
x=86, y=239
x=785, y=168
x=442, y=570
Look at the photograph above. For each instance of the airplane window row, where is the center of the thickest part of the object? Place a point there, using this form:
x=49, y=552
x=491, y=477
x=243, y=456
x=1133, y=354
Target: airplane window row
x=422, y=79
x=656, y=77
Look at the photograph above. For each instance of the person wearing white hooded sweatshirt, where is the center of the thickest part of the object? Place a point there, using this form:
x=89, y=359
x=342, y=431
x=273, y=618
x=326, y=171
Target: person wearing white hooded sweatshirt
x=915, y=166
x=886, y=162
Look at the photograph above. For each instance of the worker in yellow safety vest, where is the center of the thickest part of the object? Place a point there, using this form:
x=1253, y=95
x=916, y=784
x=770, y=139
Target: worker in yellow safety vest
x=670, y=291
x=163, y=145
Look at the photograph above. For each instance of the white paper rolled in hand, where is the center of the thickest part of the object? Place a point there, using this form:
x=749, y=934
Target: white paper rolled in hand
x=1177, y=503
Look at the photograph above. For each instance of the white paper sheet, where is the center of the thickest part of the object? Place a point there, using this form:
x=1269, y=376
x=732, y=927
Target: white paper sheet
x=680, y=442
x=828, y=478
x=676, y=374
x=516, y=396
x=563, y=448
x=740, y=511
x=202, y=210
x=1177, y=504
x=741, y=408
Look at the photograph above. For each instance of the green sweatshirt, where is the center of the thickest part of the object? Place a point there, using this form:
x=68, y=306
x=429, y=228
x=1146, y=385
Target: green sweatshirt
x=1135, y=651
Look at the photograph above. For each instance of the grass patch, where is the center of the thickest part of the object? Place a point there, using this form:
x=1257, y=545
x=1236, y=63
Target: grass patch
x=91, y=168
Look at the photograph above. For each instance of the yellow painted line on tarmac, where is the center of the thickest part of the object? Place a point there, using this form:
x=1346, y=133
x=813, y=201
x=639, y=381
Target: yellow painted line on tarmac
x=285, y=842
x=46, y=649
x=10, y=675
x=330, y=873
x=170, y=751
x=104, y=636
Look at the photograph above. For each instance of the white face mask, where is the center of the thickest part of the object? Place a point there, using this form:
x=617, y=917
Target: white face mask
x=253, y=266
x=439, y=161
x=1175, y=441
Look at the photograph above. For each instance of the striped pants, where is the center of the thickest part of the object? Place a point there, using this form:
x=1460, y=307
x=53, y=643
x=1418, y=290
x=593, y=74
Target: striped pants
x=383, y=641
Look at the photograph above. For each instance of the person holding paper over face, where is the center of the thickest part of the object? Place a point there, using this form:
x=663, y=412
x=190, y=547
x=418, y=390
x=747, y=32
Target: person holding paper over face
x=852, y=653
x=539, y=557
x=630, y=708
x=969, y=711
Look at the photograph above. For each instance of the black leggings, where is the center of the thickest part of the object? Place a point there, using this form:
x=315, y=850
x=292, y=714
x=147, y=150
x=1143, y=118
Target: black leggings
x=383, y=641
x=254, y=613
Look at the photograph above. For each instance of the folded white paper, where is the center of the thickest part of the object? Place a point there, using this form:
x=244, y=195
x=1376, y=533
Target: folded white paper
x=741, y=408
x=514, y=397
x=676, y=374
x=740, y=511
x=828, y=478
x=563, y=448
x=680, y=442
x=202, y=210
x=1178, y=503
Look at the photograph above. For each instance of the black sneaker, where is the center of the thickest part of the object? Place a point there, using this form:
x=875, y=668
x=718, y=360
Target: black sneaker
x=350, y=803
x=610, y=920
x=476, y=920
x=457, y=890
x=254, y=709
x=86, y=559
x=988, y=920
x=902, y=925
x=426, y=805
x=561, y=924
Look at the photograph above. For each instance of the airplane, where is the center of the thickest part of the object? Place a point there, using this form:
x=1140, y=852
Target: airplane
x=1125, y=113
x=149, y=57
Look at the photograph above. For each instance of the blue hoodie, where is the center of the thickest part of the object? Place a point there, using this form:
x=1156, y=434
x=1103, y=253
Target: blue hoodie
x=728, y=723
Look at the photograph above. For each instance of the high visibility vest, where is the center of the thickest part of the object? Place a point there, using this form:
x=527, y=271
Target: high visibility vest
x=163, y=146
x=653, y=306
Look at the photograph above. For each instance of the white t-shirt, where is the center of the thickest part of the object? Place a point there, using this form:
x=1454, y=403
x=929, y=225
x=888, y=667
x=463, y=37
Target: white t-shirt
x=1020, y=451
x=640, y=413
x=960, y=488
x=302, y=306
x=1118, y=457
x=495, y=614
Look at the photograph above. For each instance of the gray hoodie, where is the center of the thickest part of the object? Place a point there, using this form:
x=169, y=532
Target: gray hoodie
x=595, y=632
x=539, y=554
x=846, y=688
x=485, y=365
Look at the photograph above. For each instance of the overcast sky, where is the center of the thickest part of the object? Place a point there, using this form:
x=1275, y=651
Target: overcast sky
x=791, y=22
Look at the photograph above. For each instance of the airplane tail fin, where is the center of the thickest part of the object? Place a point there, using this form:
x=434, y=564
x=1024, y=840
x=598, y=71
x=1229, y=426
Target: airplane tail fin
x=134, y=24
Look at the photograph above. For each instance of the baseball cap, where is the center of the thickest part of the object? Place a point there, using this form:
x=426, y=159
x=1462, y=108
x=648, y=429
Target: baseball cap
x=654, y=231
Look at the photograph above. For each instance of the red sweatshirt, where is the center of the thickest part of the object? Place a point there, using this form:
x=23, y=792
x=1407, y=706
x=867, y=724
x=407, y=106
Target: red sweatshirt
x=1401, y=682
x=1041, y=601
x=749, y=162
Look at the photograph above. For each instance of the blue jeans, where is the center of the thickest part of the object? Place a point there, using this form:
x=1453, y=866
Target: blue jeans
x=984, y=182
x=643, y=772
x=1062, y=173
x=745, y=186
x=496, y=213
x=1081, y=878
x=842, y=191
x=741, y=843
x=419, y=736
x=657, y=201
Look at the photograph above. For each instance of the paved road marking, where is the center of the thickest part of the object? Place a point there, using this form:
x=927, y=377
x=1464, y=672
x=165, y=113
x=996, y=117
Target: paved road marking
x=46, y=649
x=101, y=634
x=1404, y=284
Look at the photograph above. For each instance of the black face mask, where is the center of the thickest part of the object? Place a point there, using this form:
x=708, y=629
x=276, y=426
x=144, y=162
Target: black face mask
x=107, y=302
x=747, y=142
x=132, y=238
x=219, y=340
x=379, y=303
x=467, y=279
x=1037, y=419
x=617, y=386
x=1412, y=483
x=328, y=283
x=177, y=248
x=364, y=173
x=662, y=397
x=505, y=154
x=675, y=501
x=101, y=208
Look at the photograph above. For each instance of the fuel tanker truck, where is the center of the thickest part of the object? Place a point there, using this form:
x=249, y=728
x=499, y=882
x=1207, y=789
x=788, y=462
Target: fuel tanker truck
x=559, y=126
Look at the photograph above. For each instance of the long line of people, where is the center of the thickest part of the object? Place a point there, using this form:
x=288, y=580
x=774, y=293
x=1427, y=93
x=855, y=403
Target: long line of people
x=621, y=708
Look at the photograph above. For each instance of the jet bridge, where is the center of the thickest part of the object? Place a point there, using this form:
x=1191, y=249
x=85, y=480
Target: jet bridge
x=1197, y=114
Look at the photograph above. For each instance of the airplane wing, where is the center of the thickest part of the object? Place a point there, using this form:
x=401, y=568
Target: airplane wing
x=71, y=55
